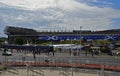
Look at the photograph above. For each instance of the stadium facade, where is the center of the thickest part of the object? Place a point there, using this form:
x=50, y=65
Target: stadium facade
x=29, y=35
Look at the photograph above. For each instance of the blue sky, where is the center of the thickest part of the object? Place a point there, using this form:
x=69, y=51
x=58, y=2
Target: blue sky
x=115, y=3
x=60, y=14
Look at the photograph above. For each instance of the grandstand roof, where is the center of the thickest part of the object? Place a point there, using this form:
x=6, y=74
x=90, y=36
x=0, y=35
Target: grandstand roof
x=18, y=30
x=11, y=30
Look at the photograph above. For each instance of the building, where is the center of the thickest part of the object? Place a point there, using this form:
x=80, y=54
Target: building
x=29, y=35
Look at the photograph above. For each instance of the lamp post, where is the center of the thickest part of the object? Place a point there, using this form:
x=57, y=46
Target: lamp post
x=71, y=59
x=80, y=34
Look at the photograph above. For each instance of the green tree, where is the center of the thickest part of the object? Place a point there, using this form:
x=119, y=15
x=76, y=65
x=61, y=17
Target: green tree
x=2, y=40
x=19, y=40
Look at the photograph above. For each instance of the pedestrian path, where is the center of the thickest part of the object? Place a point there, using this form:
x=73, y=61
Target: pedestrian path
x=25, y=72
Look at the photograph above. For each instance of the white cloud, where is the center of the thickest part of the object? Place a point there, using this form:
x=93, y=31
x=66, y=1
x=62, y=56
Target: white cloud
x=96, y=1
x=42, y=4
x=61, y=14
x=29, y=4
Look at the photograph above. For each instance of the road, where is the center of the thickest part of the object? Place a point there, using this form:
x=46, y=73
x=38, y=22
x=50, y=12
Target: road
x=64, y=57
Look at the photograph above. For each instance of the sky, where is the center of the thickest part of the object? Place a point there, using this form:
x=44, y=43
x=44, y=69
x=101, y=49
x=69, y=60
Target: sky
x=60, y=14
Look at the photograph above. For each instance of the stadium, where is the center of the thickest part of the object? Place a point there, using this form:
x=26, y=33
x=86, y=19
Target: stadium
x=42, y=60
x=29, y=35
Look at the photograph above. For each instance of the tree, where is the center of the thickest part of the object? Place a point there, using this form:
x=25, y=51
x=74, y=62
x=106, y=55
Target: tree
x=19, y=40
x=2, y=40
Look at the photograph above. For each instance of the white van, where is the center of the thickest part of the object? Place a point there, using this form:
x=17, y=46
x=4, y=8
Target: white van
x=7, y=53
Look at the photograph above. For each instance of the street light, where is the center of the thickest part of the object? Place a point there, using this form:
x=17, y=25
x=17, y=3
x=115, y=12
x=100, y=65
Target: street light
x=71, y=59
x=80, y=34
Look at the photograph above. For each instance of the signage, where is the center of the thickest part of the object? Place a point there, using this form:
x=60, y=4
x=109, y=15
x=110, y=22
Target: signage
x=87, y=37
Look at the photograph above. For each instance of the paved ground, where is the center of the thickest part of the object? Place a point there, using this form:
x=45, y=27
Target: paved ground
x=24, y=72
x=52, y=71
x=64, y=57
x=61, y=57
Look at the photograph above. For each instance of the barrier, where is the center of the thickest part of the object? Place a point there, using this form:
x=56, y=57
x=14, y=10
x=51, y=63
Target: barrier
x=12, y=72
x=51, y=64
x=64, y=72
x=38, y=72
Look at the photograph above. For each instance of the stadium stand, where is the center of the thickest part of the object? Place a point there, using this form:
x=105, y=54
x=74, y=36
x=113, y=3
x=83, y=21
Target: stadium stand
x=29, y=34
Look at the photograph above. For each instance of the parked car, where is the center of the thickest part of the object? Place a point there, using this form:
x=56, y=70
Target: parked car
x=7, y=53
